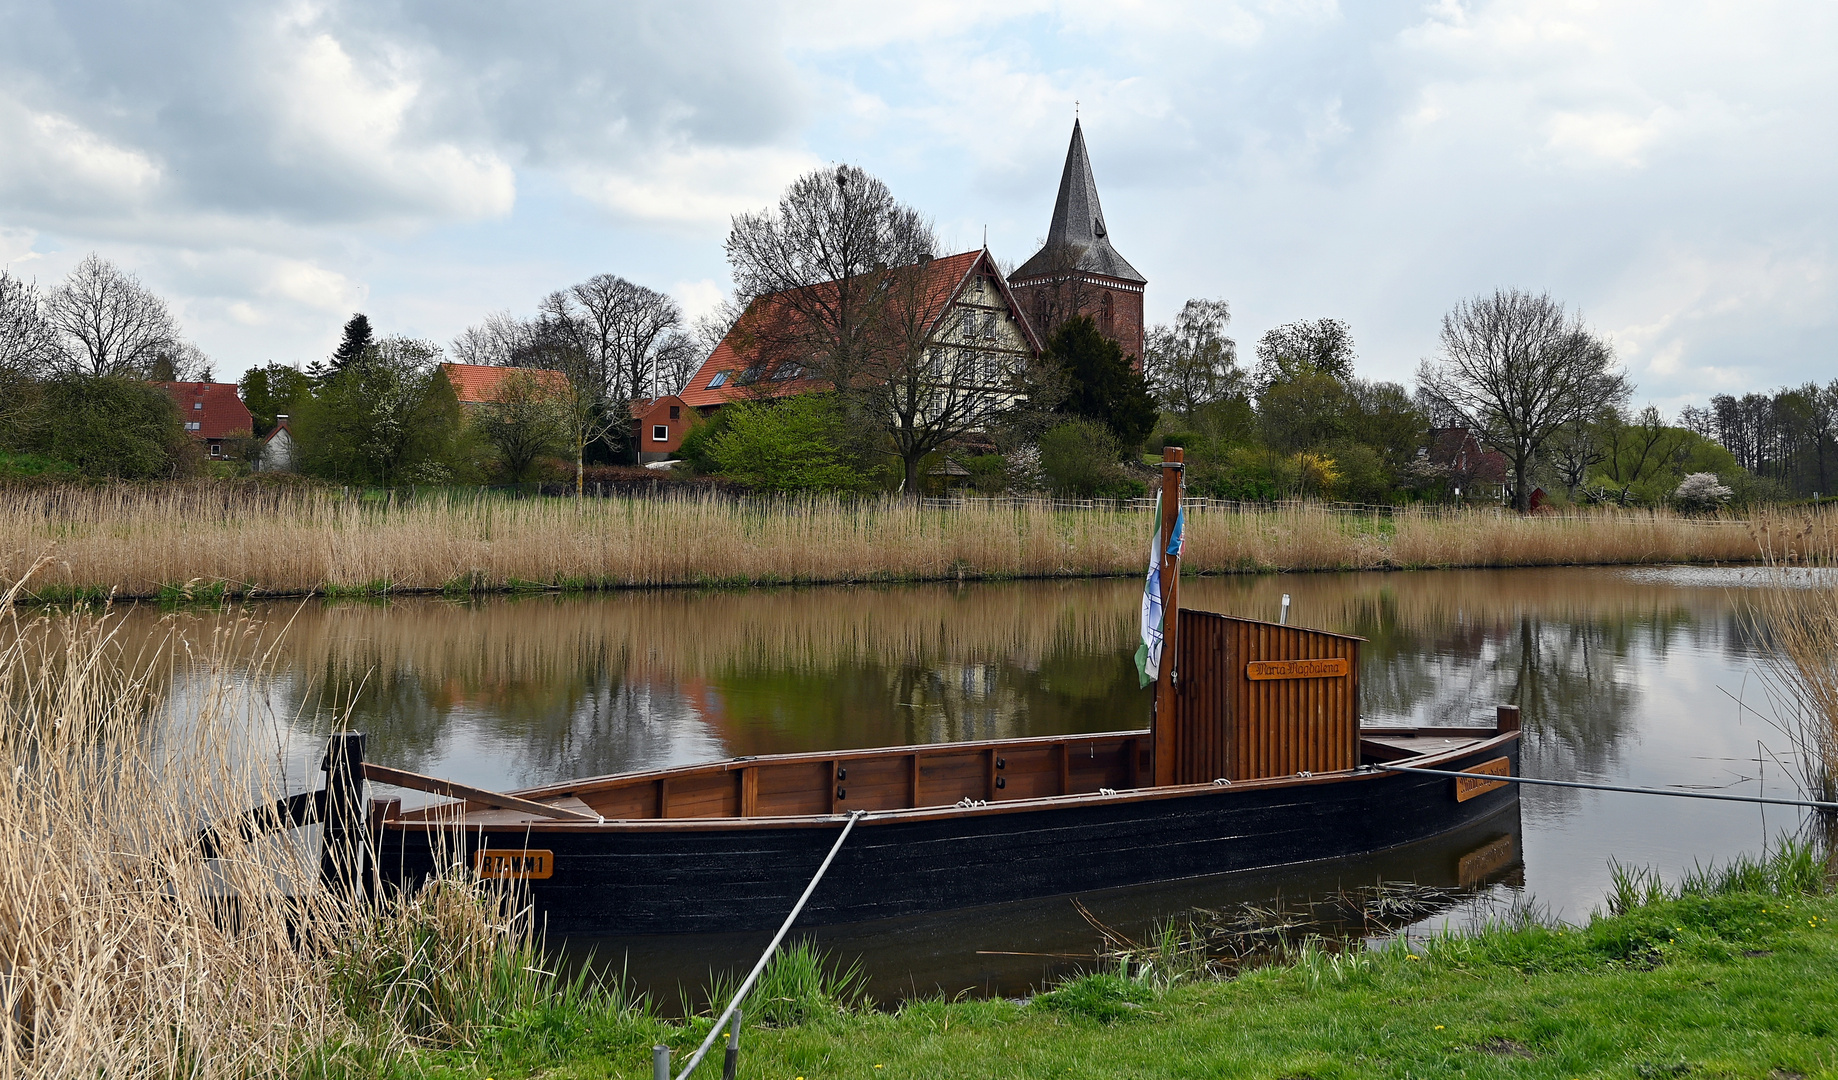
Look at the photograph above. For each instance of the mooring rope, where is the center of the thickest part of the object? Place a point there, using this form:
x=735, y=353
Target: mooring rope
x=1675, y=793
x=715, y=1032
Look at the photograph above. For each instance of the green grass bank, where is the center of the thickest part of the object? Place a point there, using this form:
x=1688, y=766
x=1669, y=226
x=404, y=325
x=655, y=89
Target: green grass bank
x=1732, y=974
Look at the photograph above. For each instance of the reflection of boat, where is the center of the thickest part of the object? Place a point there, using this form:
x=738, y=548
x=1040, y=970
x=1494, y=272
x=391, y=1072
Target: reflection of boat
x=1255, y=760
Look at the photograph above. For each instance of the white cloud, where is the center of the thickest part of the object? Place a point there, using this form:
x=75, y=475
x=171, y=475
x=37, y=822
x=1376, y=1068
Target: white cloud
x=703, y=185
x=697, y=298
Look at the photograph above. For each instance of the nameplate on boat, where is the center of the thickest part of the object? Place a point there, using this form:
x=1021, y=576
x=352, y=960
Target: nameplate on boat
x=533, y=864
x=1328, y=668
x=1467, y=787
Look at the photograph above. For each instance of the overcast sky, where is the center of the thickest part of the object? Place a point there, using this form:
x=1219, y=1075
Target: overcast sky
x=1668, y=168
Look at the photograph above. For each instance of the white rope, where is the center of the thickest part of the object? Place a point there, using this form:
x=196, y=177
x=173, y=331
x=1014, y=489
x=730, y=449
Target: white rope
x=715, y=1032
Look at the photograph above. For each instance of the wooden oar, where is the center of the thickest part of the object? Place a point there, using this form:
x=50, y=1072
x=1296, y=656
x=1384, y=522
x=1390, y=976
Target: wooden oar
x=383, y=774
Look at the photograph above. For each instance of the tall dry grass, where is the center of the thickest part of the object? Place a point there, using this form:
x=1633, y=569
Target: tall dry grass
x=124, y=951
x=140, y=542
x=1797, y=617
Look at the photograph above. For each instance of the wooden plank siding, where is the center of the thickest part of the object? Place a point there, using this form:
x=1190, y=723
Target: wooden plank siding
x=904, y=778
x=1230, y=726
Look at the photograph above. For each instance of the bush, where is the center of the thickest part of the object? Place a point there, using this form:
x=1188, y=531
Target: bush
x=1362, y=473
x=795, y=444
x=114, y=428
x=1079, y=458
x=988, y=473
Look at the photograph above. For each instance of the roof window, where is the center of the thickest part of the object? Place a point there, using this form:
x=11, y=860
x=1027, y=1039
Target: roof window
x=720, y=379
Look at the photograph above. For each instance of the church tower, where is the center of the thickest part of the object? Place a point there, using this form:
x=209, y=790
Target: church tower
x=1078, y=272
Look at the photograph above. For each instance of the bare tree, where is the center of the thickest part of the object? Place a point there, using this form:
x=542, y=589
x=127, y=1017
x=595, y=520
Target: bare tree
x=844, y=289
x=822, y=257
x=1308, y=347
x=26, y=340
x=679, y=356
x=492, y=342
x=1192, y=363
x=1516, y=367
x=624, y=324
x=1576, y=448
x=181, y=361
x=560, y=340
x=106, y=322
x=946, y=369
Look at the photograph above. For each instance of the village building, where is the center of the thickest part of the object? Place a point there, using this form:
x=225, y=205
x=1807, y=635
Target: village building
x=278, y=452
x=662, y=422
x=213, y=414
x=480, y=384
x=968, y=310
x=1078, y=272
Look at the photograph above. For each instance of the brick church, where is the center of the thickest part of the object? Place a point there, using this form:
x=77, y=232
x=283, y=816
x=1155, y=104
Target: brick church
x=1078, y=272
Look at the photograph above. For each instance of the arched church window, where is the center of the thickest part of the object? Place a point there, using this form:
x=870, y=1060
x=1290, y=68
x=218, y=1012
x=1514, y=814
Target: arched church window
x=1105, y=320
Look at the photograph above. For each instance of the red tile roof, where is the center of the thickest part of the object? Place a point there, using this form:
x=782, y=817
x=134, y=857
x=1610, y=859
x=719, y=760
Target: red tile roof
x=213, y=406
x=944, y=279
x=476, y=384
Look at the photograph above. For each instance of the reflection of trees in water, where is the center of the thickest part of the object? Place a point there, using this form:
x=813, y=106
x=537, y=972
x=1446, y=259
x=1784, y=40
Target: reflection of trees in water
x=586, y=697
x=556, y=687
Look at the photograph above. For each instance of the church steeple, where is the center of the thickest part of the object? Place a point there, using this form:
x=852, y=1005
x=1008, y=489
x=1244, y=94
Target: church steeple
x=1078, y=238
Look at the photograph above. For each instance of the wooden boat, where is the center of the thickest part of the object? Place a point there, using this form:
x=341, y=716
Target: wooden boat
x=1255, y=759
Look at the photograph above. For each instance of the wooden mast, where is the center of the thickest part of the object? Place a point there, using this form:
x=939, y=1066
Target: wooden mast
x=1161, y=737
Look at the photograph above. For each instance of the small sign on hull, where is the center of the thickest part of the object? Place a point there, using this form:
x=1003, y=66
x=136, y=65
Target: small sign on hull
x=532, y=864
x=1467, y=787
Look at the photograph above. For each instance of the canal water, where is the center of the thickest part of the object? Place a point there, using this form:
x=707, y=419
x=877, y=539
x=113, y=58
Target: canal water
x=1629, y=676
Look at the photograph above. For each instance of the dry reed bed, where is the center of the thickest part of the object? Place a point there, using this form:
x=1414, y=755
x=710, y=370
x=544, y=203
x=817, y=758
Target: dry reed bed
x=110, y=961
x=140, y=541
x=125, y=951
x=1798, y=617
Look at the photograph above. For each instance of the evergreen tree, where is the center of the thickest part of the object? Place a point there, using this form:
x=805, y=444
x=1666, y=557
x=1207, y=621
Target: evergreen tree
x=357, y=341
x=1101, y=384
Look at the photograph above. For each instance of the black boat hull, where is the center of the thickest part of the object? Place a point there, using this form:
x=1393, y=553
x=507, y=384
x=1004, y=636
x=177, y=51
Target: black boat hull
x=729, y=876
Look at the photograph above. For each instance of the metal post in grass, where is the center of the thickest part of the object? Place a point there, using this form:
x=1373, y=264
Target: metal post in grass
x=660, y=1062
x=732, y=1063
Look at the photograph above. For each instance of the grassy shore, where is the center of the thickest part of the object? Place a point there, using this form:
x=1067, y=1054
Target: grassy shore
x=1729, y=975
x=200, y=543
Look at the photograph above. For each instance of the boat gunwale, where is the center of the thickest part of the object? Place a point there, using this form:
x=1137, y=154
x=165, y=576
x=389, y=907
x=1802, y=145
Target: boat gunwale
x=1483, y=738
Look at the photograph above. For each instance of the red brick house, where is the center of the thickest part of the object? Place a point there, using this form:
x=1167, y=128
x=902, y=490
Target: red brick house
x=213, y=414
x=662, y=423
x=965, y=303
x=1077, y=271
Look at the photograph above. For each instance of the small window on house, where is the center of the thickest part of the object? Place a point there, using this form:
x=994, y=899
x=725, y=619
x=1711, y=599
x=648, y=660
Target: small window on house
x=193, y=426
x=660, y=433
x=788, y=371
x=216, y=449
x=197, y=404
x=676, y=412
x=721, y=378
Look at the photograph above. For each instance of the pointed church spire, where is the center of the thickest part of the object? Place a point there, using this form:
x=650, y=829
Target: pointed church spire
x=1078, y=231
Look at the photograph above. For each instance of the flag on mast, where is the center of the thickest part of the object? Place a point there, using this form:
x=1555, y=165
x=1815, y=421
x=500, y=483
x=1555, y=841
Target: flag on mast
x=1154, y=619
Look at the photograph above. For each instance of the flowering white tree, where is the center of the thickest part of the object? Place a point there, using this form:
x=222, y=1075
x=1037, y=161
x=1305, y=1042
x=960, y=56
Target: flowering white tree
x=1700, y=492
